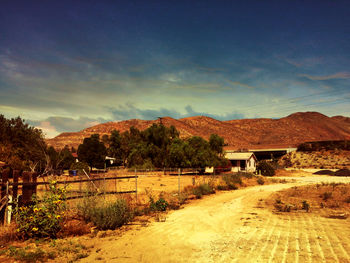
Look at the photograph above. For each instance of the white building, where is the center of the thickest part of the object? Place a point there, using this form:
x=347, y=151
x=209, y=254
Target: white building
x=242, y=161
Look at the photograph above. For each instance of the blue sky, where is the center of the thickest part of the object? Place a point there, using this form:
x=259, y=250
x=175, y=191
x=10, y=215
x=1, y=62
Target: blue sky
x=66, y=65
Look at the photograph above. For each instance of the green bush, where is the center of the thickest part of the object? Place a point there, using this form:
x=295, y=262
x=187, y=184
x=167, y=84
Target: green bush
x=203, y=189
x=80, y=166
x=159, y=205
x=232, y=180
x=260, y=181
x=44, y=217
x=105, y=215
x=265, y=168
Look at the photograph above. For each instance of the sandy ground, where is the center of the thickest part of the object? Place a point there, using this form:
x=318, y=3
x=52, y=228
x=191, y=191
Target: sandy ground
x=232, y=227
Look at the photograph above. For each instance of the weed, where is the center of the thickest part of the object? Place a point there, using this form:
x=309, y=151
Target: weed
x=44, y=217
x=305, y=206
x=103, y=215
x=347, y=200
x=326, y=195
x=159, y=205
x=26, y=255
x=260, y=181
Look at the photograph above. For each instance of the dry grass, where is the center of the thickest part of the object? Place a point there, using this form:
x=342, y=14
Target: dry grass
x=324, y=198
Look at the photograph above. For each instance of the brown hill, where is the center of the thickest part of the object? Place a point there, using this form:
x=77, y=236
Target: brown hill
x=247, y=133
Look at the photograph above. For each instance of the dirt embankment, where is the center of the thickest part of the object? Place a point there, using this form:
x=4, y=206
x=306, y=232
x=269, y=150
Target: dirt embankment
x=234, y=226
x=335, y=159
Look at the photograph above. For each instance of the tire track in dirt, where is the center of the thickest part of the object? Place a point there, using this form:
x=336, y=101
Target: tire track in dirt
x=211, y=230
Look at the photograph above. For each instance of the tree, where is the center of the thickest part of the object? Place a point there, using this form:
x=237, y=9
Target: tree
x=265, y=168
x=216, y=143
x=114, y=145
x=92, y=151
x=21, y=145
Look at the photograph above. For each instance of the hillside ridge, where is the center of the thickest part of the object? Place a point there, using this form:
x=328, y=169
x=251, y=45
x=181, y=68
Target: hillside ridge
x=291, y=130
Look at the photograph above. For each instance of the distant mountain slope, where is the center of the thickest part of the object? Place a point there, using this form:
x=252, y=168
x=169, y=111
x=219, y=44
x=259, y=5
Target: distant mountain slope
x=247, y=133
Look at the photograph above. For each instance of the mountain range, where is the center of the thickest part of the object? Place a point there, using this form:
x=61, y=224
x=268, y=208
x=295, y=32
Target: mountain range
x=244, y=133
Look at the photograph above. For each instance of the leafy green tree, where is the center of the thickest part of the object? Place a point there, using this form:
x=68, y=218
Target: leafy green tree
x=21, y=145
x=92, y=151
x=265, y=168
x=216, y=143
x=177, y=154
x=115, y=146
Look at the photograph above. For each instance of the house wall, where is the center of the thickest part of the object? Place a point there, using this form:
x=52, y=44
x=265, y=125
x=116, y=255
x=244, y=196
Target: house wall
x=250, y=165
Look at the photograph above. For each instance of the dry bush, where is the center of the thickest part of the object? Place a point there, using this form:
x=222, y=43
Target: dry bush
x=8, y=233
x=75, y=227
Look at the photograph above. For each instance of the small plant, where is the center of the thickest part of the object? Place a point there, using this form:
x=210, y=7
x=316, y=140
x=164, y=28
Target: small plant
x=305, y=206
x=159, y=205
x=105, y=215
x=347, y=200
x=260, y=181
x=203, y=189
x=44, y=217
x=326, y=195
x=26, y=255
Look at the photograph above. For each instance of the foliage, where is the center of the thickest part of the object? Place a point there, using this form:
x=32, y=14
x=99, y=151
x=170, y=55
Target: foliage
x=265, y=168
x=260, y=181
x=80, y=166
x=326, y=195
x=26, y=255
x=159, y=205
x=324, y=145
x=114, y=145
x=305, y=206
x=43, y=218
x=203, y=189
x=105, y=215
x=160, y=146
x=62, y=159
x=92, y=151
x=231, y=181
x=216, y=143
x=21, y=146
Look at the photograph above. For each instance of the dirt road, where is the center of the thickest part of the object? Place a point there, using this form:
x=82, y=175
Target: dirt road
x=232, y=227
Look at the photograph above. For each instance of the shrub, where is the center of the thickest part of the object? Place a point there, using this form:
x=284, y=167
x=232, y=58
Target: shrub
x=260, y=181
x=159, y=205
x=43, y=218
x=305, y=206
x=105, y=215
x=232, y=180
x=80, y=166
x=265, y=168
x=326, y=195
x=203, y=189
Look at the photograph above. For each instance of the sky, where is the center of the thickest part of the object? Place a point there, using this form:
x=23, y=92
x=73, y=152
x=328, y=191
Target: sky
x=68, y=65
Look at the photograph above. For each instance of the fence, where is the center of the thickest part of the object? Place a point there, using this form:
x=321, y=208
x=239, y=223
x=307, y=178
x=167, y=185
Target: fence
x=20, y=186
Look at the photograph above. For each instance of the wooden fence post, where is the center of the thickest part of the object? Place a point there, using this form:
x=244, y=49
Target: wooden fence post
x=26, y=189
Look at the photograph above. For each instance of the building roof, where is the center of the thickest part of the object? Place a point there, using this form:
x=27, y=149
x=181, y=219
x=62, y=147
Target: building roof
x=239, y=155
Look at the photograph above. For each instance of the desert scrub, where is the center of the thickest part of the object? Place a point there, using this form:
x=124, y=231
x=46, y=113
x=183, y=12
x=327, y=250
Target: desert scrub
x=203, y=189
x=105, y=215
x=29, y=255
x=231, y=181
x=260, y=181
x=265, y=168
x=326, y=195
x=44, y=217
x=159, y=205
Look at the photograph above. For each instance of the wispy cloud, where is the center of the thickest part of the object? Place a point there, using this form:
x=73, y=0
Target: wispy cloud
x=339, y=75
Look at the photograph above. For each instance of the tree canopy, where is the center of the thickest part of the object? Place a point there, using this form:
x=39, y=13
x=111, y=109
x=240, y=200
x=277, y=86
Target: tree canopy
x=21, y=145
x=92, y=151
x=160, y=146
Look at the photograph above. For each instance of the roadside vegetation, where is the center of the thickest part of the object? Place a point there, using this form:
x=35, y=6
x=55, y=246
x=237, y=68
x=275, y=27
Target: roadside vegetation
x=327, y=199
